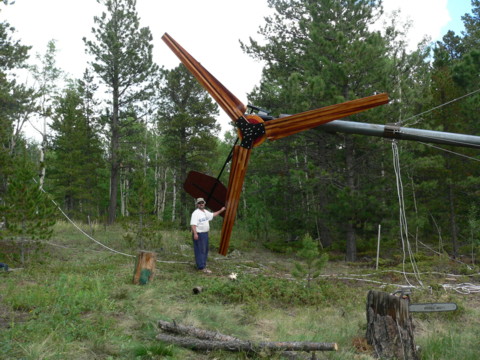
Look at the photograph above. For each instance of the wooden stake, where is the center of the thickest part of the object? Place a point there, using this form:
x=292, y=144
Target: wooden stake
x=144, y=268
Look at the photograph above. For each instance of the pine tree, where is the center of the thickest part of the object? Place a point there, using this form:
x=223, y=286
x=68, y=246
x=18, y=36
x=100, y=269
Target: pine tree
x=123, y=61
x=445, y=181
x=314, y=261
x=46, y=76
x=77, y=155
x=471, y=21
x=186, y=121
x=14, y=102
x=319, y=53
x=27, y=211
x=138, y=185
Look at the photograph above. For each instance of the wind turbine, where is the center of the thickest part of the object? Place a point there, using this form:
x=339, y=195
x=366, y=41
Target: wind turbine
x=253, y=131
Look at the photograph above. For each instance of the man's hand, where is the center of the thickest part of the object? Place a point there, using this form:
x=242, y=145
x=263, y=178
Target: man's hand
x=219, y=211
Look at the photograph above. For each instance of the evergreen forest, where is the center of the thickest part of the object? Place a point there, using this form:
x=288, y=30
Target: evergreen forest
x=117, y=144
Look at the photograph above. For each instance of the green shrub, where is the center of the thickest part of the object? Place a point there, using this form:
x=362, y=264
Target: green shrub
x=263, y=290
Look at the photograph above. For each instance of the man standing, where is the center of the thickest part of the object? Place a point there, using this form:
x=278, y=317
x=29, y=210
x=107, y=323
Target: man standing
x=200, y=227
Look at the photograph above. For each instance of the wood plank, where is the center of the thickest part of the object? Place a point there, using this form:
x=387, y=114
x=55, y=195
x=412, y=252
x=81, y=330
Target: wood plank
x=227, y=101
x=289, y=125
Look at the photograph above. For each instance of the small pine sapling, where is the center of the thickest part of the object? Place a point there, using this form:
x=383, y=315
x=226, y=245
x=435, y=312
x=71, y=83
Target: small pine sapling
x=313, y=260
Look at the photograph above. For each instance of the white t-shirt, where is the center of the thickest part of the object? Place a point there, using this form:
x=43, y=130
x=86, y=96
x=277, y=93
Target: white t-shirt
x=201, y=218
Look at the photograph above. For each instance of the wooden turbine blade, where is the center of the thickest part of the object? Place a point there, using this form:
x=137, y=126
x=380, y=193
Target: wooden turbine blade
x=289, y=125
x=228, y=102
x=238, y=170
x=208, y=187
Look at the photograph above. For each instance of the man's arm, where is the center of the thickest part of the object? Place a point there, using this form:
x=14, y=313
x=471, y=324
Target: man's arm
x=219, y=211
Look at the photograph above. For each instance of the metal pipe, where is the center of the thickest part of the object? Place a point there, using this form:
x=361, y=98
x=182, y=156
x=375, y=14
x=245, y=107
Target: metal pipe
x=402, y=133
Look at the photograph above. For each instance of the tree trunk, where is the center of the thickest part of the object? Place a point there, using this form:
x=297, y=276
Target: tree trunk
x=115, y=161
x=389, y=327
x=350, y=226
x=123, y=196
x=164, y=193
x=112, y=206
x=351, y=242
x=43, y=149
x=161, y=187
x=453, y=223
x=416, y=212
x=183, y=194
x=324, y=232
x=157, y=188
x=141, y=243
x=174, y=190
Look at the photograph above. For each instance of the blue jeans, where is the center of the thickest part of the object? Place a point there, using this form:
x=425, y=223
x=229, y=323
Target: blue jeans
x=200, y=248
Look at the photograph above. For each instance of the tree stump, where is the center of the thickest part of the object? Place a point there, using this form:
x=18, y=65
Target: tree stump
x=144, y=267
x=389, y=327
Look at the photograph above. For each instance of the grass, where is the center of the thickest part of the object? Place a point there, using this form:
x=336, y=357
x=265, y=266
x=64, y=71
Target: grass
x=75, y=300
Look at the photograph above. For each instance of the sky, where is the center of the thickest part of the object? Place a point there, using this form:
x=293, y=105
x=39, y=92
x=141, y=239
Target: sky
x=209, y=29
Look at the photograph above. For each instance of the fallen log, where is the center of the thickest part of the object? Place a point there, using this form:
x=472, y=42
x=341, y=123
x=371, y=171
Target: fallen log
x=194, y=332
x=213, y=335
x=247, y=346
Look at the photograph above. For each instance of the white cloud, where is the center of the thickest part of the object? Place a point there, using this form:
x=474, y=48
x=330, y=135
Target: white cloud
x=427, y=17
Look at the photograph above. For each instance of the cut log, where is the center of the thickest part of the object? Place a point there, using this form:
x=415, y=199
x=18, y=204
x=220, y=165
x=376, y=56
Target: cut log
x=247, y=346
x=193, y=331
x=197, y=290
x=213, y=335
x=390, y=327
x=144, y=268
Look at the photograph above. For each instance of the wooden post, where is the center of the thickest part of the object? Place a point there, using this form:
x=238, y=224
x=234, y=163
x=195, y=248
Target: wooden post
x=378, y=245
x=144, y=267
x=389, y=327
